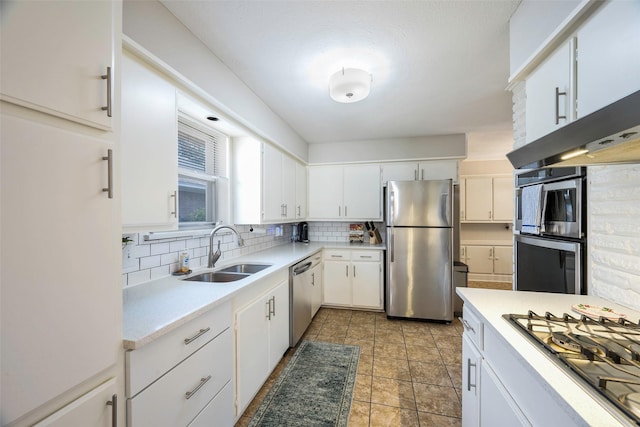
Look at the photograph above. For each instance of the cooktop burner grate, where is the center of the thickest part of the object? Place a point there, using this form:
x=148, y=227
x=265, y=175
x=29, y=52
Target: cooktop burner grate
x=603, y=353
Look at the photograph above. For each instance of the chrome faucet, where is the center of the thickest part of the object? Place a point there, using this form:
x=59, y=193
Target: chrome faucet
x=213, y=257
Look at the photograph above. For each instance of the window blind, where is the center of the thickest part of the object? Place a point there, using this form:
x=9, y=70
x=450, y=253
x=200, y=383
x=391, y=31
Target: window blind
x=201, y=149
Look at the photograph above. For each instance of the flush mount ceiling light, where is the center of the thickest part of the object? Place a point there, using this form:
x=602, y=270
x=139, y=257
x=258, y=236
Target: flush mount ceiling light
x=349, y=85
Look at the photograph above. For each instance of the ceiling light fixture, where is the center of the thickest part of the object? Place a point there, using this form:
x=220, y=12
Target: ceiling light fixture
x=349, y=85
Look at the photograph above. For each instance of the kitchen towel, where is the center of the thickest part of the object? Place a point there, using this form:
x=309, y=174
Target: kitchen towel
x=532, y=209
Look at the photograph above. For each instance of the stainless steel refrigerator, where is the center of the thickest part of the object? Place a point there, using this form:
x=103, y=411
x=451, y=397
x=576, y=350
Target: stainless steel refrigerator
x=419, y=222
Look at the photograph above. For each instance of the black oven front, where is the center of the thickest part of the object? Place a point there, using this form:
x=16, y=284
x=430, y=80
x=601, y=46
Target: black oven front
x=549, y=265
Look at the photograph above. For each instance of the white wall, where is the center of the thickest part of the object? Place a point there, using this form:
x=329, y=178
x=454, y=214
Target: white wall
x=613, y=233
x=424, y=147
x=152, y=26
x=531, y=24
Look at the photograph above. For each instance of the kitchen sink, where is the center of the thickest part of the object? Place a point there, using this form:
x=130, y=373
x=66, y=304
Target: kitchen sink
x=217, y=277
x=245, y=268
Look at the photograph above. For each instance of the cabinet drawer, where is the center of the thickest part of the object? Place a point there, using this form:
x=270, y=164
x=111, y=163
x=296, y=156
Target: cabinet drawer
x=219, y=412
x=148, y=363
x=165, y=402
x=473, y=327
x=336, y=255
x=365, y=255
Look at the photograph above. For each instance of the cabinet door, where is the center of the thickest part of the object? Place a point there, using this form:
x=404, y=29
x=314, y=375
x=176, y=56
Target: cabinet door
x=439, y=169
x=279, y=324
x=149, y=138
x=55, y=216
x=497, y=407
x=478, y=193
x=609, y=56
x=362, y=192
x=54, y=54
x=336, y=285
x=325, y=192
x=301, y=191
x=289, y=187
x=503, y=197
x=405, y=171
x=463, y=199
x=503, y=259
x=480, y=259
x=542, y=114
x=316, y=289
x=367, y=284
x=272, y=173
x=252, y=349
x=471, y=362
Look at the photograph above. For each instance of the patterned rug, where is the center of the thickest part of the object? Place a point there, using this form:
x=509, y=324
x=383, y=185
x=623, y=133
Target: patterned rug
x=314, y=389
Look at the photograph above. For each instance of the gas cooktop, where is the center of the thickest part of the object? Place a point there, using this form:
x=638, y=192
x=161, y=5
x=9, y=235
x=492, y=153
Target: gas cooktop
x=604, y=353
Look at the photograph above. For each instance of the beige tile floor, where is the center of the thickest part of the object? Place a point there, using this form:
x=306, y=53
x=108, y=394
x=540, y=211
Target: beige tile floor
x=409, y=373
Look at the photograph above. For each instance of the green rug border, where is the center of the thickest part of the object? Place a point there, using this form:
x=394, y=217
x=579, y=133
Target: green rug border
x=347, y=392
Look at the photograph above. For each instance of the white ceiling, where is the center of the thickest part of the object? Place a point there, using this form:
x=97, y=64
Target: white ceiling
x=438, y=67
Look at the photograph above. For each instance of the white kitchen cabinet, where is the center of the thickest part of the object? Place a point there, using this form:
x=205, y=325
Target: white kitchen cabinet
x=301, y=191
x=149, y=141
x=264, y=183
x=345, y=192
x=550, y=102
x=262, y=337
x=353, y=278
x=488, y=261
x=54, y=55
x=487, y=199
x=498, y=407
x=425, y=170
x=178, y=376
x=608, y=56
x=95, y=408
x=471, y=365
x=60, y=244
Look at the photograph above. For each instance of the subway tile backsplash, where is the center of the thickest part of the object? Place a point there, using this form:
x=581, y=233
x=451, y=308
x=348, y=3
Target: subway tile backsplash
x=143, y=261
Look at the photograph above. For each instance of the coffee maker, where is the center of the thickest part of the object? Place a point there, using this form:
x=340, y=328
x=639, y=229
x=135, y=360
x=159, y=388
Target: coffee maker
x=303, y=232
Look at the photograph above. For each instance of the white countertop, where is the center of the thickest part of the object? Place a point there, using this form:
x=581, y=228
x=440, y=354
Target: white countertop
x=492, y=304
x=152, y=309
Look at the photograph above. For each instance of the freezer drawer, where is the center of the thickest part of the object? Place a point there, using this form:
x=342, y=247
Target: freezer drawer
x=419, y=273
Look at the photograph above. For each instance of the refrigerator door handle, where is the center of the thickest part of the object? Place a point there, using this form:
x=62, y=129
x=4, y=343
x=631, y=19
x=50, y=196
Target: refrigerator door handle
x=391, y=215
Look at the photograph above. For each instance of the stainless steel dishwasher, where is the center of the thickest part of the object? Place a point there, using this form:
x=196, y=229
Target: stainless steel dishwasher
x=300, y=289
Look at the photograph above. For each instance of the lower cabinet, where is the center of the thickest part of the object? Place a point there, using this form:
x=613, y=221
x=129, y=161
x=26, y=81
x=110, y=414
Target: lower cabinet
x=262, y=337
x=316, y=288
x=183, y=377
x=353, y=278
x=498, y=407
x=471, y=365
x=492, y=261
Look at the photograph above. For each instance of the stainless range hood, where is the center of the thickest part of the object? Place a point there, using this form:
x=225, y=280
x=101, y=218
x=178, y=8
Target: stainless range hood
x=609, y=135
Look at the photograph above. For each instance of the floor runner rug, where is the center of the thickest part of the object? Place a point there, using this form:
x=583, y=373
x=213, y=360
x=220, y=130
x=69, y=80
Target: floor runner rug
x=314, y=389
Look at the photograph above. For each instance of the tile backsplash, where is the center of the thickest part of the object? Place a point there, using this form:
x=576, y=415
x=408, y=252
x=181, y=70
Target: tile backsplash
x=143, y=260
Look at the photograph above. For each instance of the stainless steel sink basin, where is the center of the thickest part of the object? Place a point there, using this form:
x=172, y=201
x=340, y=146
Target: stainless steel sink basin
x=245, y=268
x=217, y=277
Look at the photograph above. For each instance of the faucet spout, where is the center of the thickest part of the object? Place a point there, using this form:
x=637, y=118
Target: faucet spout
x=214, y=256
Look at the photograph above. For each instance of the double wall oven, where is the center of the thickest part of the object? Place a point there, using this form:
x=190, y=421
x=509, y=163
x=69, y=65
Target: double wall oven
x=550, y=240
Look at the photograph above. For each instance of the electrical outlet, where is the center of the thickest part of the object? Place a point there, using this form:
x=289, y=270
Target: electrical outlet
x=129, y=261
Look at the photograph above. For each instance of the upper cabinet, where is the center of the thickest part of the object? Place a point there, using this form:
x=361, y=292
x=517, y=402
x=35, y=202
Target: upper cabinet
x=266, y=184
x=608, y=56
x=149, y=142
x=57, y=57
x=426, y=170
x=487, y=199
x=550, y=93
x=345, y=192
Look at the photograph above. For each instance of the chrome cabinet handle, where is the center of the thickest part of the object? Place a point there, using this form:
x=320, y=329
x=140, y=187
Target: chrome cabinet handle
x=175, y=203
x=422, y=174
x=415, y=174
x=490, y=253
x=268, y=315
x=299, y=214
x=345, y=210
x=109, y=159
x=198, y=334
x=467, y=326
x=336, y=256
x=274, y=306
x=354, y=271
x=107, y=77
x=339, y=210
x=469, y=365
x=114, y=410
x=558, y=94
x=346, y=270
x=365, y=256
x=202, y=382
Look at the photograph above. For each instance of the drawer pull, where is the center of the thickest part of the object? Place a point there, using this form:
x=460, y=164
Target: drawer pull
x=467, y=326
x=365, y=256
x=202, y=382
x=200, y=333
x=336, y=256
x=114, y=410
x=469, y=365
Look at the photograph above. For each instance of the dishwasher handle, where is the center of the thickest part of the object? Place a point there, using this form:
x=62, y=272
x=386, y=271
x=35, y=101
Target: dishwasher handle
x=301, y=269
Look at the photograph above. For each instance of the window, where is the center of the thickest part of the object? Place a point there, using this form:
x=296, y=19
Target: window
x=202, y=174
